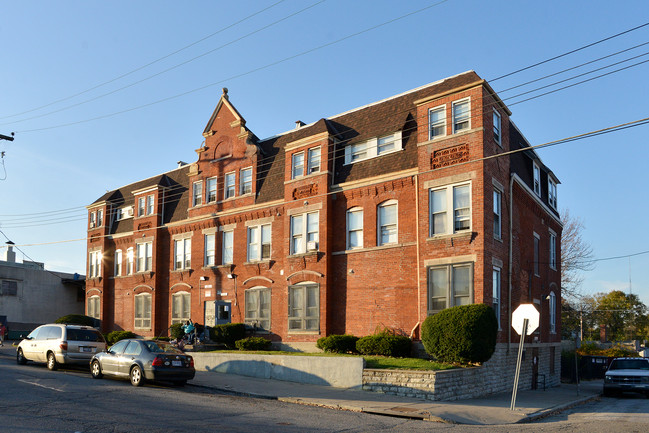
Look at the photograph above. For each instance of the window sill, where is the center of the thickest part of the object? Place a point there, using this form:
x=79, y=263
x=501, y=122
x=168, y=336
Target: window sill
x=258, y=262
x=305, y=332
x=370, y=249
x=307, y=254
x=466, y=233
x=224, y=265
x=178, y=271
x=449, y=136
x=306, y=176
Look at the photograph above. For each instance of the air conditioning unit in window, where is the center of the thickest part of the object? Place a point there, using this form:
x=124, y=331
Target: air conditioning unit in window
x=92, y=225
x=128, y=212
x=312, y=246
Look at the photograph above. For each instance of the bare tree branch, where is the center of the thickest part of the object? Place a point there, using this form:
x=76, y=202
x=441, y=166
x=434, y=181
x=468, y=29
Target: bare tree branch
x=576, y=255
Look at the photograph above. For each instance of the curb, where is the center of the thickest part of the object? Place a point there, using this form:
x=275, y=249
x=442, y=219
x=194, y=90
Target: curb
x=558, y=409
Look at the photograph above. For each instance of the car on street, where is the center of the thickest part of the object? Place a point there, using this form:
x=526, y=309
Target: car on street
x=57, y=344
x=627, y=375
x=140, y=360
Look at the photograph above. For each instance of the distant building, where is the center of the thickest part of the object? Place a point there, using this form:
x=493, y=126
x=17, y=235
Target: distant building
x=31, y=295
x=374, y=218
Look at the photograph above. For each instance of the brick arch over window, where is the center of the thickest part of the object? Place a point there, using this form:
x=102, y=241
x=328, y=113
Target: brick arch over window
x=180, y=286
x=303, y=275
x=222, y=149
x=142, y=288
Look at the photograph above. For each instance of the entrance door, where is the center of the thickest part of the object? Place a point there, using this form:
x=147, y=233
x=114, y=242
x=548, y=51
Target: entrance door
x=223, y=311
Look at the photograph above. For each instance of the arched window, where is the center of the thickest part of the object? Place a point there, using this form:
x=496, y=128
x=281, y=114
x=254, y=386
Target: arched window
x=142, y=311
x=258, y=307
x=355, y=228
x=553, y=313
x=94, y=307
x=304, y=307
x=180, y=307
x=387, y=223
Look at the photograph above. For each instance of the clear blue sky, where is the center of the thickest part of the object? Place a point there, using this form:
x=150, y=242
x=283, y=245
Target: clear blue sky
x=54, y=50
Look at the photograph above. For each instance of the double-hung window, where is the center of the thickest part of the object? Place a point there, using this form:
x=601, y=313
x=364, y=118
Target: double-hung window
x=496, y=294
x=387, y=217
x=183, y=253
x=180, y=307
x=118, y=263
x=358, y=151
x=197, y=193
x=142, y=311
x=94, y=264
x=552, y=193
x=461, y=116
x=259, y=242
x=304, y=232
x=211, y=190
x=497, y=214
x=450, y=209
x=537, y=241
x=313, y=163
x=141, y=209
x=497, y=133
x=149, y=205
x=537, y=179
x=258, y=308
x=129, y=261
x=229, y=185
x=210, y=249
x=100, y=217
x=386, y=144
x=553, y=250
x=227, y=247
x=354, y=228
x=304, y=307
x=245, y=178
x=297, y=165
x=449, y=286
x=93, y=222
x=553, y=312
x=93, y=307
x=144, y=257
x=437, y=122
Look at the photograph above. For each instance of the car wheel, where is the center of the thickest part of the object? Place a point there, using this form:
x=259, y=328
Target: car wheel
x=95, y=370
x=179, y=382
x=51, y=361
x=136, y=376
x=20, y=358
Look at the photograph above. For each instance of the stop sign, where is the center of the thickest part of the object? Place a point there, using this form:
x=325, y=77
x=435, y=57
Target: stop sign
x=525, y=311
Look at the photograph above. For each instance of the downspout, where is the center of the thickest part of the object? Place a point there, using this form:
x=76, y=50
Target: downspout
x=418, y=263
x=511, y=259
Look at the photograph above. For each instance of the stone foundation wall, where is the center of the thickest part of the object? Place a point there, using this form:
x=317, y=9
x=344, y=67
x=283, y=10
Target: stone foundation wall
x=496, y=375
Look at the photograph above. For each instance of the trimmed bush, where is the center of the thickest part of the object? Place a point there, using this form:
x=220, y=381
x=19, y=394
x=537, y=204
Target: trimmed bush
x=397, y=346
x=76, y=319
x=115, y=336
x=176, y=331
x=464, y=334
x=337, y=344
x=228, y=334
x=253, y=343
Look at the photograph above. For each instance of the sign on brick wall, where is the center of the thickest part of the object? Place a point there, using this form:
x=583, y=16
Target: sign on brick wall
x=449, y=156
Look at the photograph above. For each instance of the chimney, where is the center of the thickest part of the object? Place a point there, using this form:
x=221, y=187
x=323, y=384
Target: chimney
x=181, y=164
x=299, y=124
x=11, y=254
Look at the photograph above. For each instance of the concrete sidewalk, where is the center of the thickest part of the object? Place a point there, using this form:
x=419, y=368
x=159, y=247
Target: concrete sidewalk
x=491, y=410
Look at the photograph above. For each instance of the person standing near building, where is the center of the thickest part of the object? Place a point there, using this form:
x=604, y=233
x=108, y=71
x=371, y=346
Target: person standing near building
x=2, y=334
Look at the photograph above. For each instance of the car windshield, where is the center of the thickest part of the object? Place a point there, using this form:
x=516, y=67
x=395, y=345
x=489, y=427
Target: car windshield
x=629, y=364
x=84, y=335
x=161, y=347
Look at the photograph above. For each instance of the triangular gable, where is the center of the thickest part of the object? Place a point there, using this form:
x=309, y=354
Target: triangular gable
x=224, y=101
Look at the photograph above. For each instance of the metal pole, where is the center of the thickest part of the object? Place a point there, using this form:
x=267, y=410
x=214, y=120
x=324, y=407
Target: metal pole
x=518, y=364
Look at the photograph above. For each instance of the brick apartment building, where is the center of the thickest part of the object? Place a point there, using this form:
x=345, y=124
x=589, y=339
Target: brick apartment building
x=376, y=217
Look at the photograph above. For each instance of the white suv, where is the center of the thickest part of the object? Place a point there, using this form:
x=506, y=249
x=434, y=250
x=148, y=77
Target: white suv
x=60, y=344
x=627, y=375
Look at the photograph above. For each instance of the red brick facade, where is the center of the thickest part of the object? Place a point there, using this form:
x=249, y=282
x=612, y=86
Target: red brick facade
x=357, y=222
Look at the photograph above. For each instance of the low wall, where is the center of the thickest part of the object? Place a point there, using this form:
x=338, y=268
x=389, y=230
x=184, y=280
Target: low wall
x=336, y=371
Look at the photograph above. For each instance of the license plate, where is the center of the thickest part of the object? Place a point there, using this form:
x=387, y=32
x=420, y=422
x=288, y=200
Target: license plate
x=177, y=363
x=85, y=349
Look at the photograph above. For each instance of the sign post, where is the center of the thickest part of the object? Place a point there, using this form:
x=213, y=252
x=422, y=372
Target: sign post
x=525, y=320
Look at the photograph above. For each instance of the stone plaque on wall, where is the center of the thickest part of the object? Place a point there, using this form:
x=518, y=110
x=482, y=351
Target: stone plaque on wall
x=305, y=191
x=449, y=156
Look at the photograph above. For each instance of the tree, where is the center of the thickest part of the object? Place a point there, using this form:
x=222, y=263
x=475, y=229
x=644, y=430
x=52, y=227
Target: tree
x=624, y=315
x=576, y=255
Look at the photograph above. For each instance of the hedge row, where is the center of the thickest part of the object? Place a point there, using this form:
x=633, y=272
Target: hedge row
x=382, y=344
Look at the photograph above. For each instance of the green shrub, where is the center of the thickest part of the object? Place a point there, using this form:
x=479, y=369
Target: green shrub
x=228, y=334
x=397, y=346
x=115, y=336
x=337, y=344
x=176, y=331
x=463, y=334
x=253, y=343
x=76, y=319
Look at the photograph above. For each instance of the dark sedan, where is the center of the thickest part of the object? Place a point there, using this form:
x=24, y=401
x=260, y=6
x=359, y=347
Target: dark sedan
x=141, y=360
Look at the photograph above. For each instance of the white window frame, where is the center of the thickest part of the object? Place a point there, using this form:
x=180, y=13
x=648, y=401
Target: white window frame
x=245, y=181
x=141, y=206
x=93, y=221
x=553, y=250
x=144, y=257
x=497, y=292
x=313, y=160
x=300, y=238
x=536, y=178
x=440, y=123
x=552, y=193
x=100, y=217
x=553, y=312
x=227, y=247
x=118, y=263
x=209, y=250
x=537, y=252
x=450, y=297
x=449, y=210
x=258, y=316
x=229, y=185
x=142, y=312
x=94, y=307
x=297, y=165
x=358, y=230
x=387, y=227
x=150, y=201
x=458, y=118
x=210, y=194
x=130, y=259
x=94, y=264
x=498, y=214
x=369, y=149
x=259, y=242
x=197, y=193
x=497, y=127
x=182, y=254
x=185, y=301
x=300, y=316
x=383, y=142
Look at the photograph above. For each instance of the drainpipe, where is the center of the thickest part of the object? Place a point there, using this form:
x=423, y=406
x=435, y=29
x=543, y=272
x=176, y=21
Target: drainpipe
x=511, y=260
x=418, y=263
